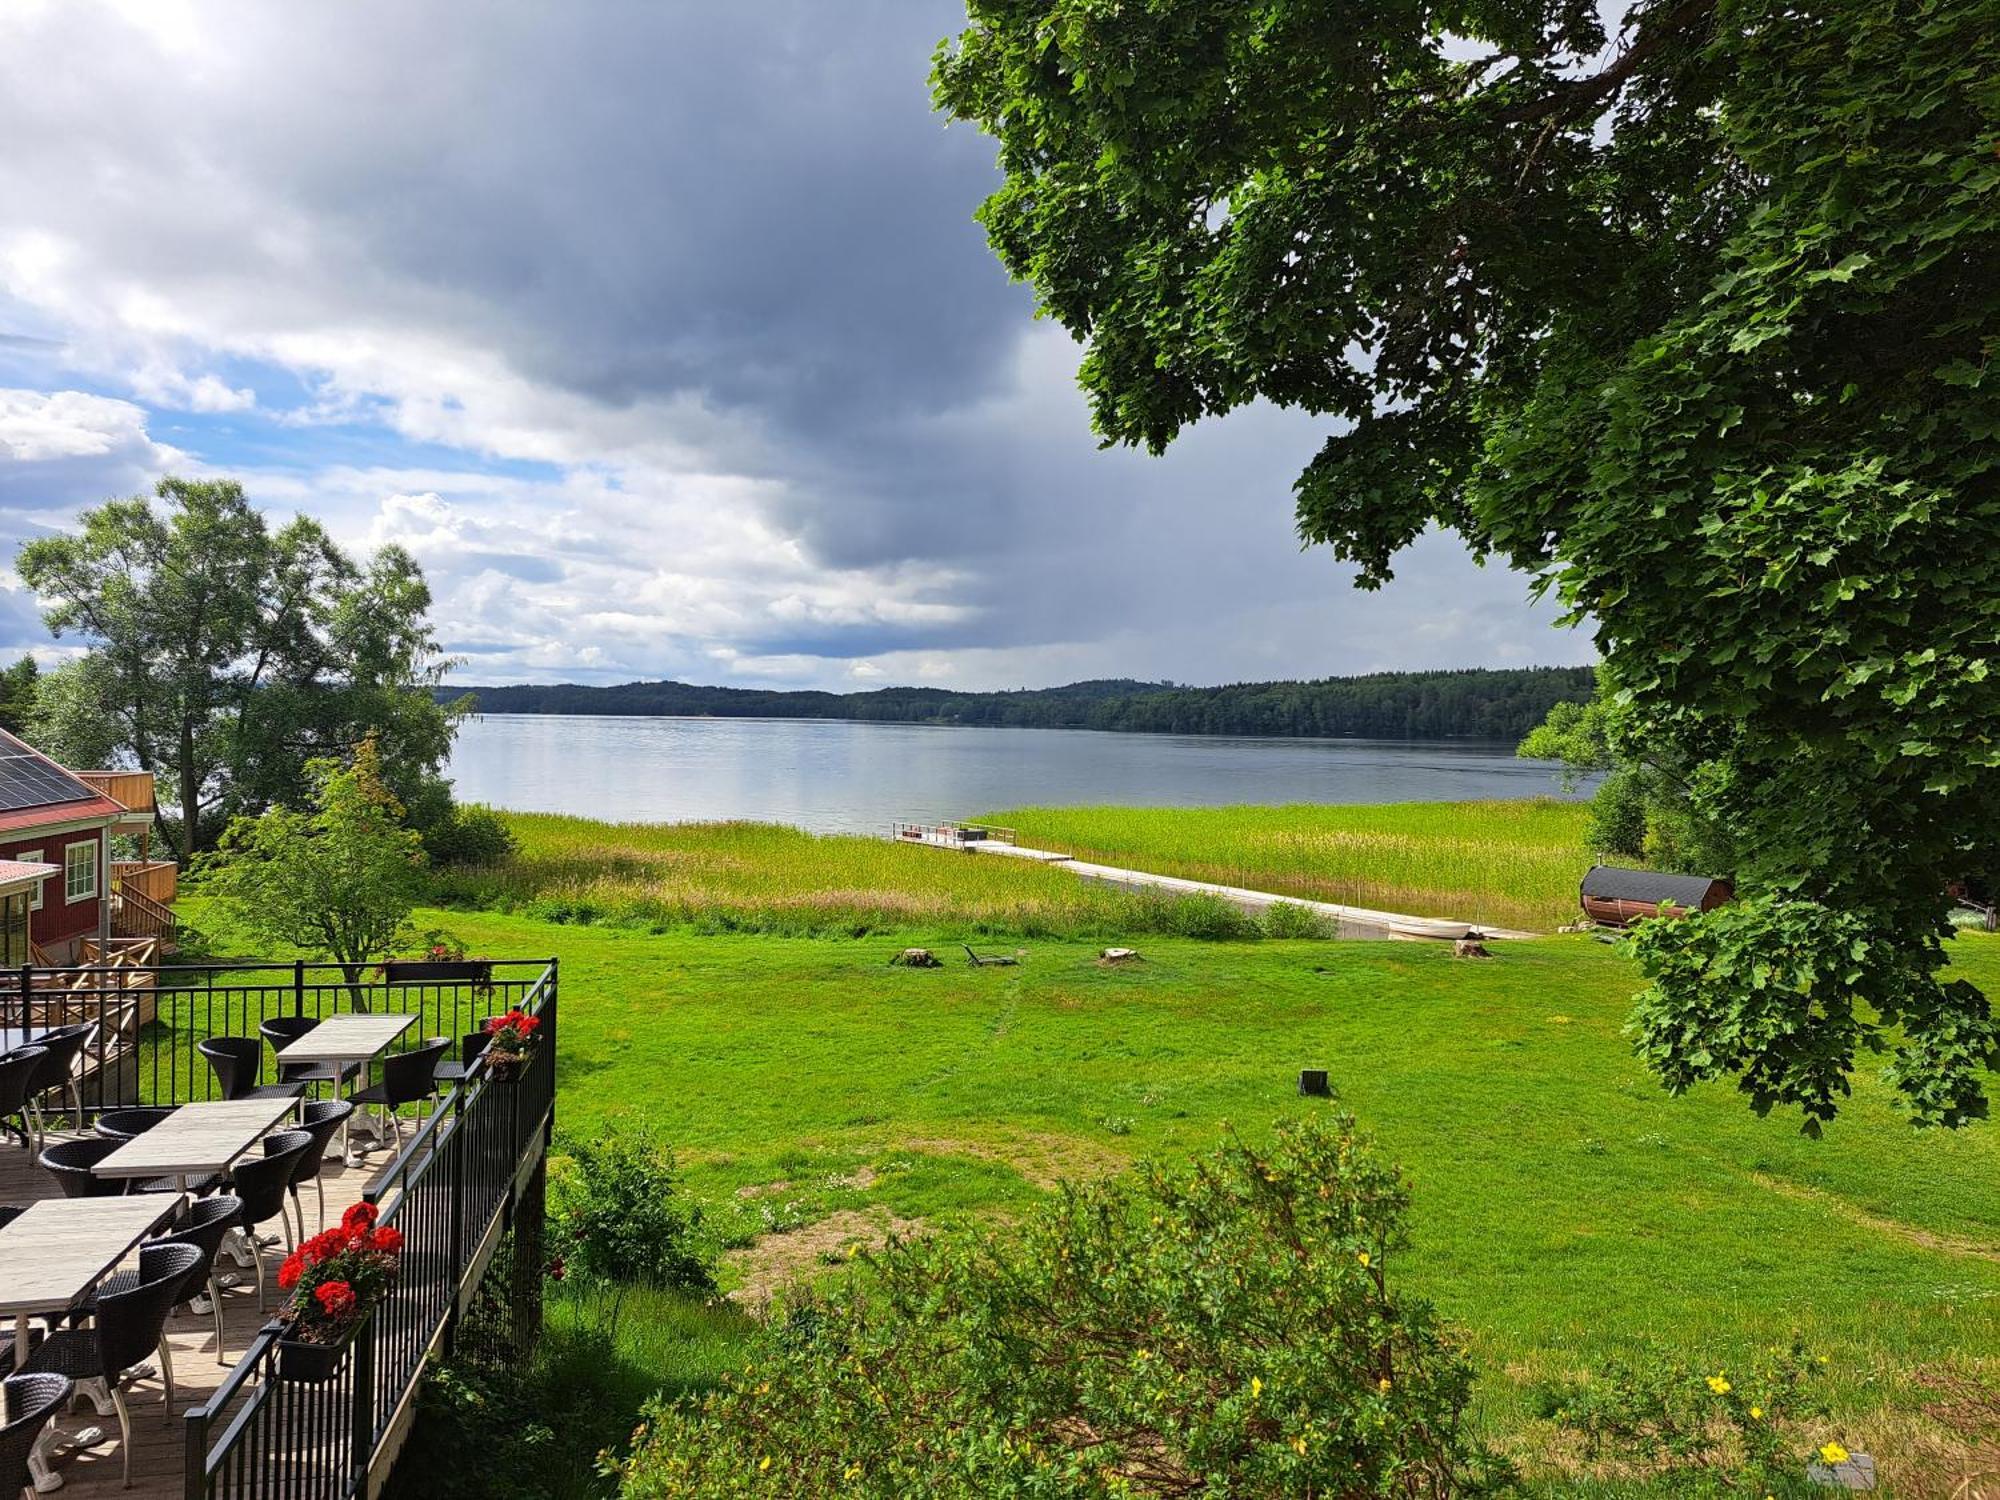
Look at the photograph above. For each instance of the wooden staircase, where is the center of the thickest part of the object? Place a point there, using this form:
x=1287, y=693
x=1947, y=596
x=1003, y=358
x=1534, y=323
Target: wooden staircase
x=141, y=895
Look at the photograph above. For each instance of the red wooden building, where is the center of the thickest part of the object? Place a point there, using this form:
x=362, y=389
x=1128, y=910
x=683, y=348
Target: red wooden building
x=60, y=889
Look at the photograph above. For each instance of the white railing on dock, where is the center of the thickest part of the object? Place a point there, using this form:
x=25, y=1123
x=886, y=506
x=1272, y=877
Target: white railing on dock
x=951, y=835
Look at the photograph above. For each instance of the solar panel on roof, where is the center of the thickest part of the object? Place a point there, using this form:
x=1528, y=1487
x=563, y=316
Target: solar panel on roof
x=27, y=780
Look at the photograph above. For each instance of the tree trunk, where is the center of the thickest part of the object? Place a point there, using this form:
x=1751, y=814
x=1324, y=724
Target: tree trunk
x=190, y=794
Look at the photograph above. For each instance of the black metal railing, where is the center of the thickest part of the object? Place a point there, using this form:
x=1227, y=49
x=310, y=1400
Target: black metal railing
x=150, y=1020
x=467, y=1170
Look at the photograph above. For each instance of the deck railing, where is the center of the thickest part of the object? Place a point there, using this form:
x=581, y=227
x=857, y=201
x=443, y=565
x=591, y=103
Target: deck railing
x=473, y=1169
x=130, y=789
x=155, y=879
x=152, y=1018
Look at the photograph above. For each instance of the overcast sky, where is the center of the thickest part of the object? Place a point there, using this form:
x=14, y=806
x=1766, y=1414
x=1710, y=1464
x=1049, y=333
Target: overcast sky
x=660, y=333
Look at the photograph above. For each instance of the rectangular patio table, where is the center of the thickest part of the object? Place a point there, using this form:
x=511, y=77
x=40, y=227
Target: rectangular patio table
x=348, y=1038
x=59, y=1248
x=196, y=1139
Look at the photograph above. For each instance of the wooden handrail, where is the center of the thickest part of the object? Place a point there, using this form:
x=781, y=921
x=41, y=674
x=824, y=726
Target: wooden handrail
x=156, y=879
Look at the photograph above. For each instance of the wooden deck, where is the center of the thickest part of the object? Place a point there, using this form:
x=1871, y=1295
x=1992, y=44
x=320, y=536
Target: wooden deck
x=158, y=1437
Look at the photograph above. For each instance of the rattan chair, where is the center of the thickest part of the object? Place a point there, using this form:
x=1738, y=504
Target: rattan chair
x=129, y=1325
x=32, y=1403
x=58, y=1073
x=261, y=1184
x=319, y=1119
x=17, y=1074
x=126, y=1124
x=407, y=1078
x=237, y=1060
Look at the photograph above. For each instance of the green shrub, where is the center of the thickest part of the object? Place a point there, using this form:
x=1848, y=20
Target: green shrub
x=1699, y=1428
x=1222, y=1328
x=617, y=1217
x=1288, y=919
x=469, y=836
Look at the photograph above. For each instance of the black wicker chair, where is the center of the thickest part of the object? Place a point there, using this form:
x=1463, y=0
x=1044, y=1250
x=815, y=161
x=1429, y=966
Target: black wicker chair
x=207, y=1224
x=320, y=1120
x=470, y=1046
x=58, y=1073
x=126, y=1124
x=407, y=1078
x=130, y=1325
x=70, y=1163
x=9, y=1212
x=17, y=1074
x=261, y=1184
x=32, y=1403
x=237, y=1060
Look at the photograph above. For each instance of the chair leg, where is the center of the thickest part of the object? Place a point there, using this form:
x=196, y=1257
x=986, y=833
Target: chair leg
x=215, y=1306
x=258, y=1262
x=167, y=1368
x=124, y=1435
x=319, y=1186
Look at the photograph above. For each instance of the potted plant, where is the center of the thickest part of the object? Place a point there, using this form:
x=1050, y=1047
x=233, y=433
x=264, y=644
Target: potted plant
x=509, y=1039
x=335, y=1279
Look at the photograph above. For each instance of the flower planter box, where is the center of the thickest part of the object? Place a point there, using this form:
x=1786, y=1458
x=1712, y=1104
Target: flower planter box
x=437, y=971
x=303, y=1363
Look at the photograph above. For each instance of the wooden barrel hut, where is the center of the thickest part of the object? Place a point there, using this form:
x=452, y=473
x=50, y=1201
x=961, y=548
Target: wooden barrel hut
x=1620, y=897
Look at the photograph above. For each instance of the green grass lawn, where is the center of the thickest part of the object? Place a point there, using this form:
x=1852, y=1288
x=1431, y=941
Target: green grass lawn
x=1564, y=1206
x=1502, y=863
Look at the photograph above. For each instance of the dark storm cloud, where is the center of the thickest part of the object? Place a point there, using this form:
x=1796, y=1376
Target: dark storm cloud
x=713, y=268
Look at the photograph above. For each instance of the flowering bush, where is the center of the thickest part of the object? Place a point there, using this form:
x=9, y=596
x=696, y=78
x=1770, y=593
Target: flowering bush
x=1751, y=1427
x=1223, y=1328
x=339, y=1274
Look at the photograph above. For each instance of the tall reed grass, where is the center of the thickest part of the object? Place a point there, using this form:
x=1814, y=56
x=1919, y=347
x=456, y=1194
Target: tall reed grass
x=1504, y=863
x=769, y=878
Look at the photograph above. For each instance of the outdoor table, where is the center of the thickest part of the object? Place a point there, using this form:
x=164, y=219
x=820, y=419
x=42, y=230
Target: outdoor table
x=59, y=1248
x=348, y=1038
x=196, y=1139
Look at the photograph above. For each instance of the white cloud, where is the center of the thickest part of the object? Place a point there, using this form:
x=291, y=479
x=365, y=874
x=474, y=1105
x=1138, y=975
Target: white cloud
x=701, y=285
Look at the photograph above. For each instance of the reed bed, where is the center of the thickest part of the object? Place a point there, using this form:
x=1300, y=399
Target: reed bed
x=770, y=878
x=1504, y=863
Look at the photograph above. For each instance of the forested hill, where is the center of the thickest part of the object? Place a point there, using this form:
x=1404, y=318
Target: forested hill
x=1487, y=705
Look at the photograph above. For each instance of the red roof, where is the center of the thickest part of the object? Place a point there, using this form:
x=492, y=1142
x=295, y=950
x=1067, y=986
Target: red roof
x=36, y=792
x=60, y=812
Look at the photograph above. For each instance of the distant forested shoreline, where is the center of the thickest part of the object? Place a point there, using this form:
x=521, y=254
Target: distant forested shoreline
x=1476, y=704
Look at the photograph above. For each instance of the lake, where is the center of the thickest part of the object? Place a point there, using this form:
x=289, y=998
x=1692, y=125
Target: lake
x=837, y=776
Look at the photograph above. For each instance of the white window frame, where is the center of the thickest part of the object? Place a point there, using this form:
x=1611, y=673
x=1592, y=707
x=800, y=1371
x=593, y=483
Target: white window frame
x=71, y=895
x=33, y=857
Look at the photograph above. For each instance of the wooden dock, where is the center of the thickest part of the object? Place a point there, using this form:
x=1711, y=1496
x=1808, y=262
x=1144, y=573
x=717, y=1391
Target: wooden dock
x=158, y=1435
x=1348, y=921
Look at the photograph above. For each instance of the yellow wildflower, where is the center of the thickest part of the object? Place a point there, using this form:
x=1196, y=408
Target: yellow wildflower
x=853, y=1471
x=1718, y=1384
x=1256, y=1387
x=1833, y=1453
x=1382, y=1384
x=763, y=1463
x=1299, y=1445
x=1362, y=1257
x=1756, y=1413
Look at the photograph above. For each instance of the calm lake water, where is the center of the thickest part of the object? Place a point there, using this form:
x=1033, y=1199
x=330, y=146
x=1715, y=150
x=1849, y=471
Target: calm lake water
x=841, y=777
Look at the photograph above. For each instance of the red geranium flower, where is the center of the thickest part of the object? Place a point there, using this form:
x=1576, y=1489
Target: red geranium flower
x=336, y=1299
x=290, y=1272
x=388, y=1241
x=359, y=1216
